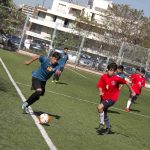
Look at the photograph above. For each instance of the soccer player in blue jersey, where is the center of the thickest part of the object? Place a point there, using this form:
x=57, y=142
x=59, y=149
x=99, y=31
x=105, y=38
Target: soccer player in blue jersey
x=64, y=58
x=120, y=73
x=48, y=67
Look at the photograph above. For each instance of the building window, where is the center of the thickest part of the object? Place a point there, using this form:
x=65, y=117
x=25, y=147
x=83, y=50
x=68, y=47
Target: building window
x=74, y=12
x=92, y=16
x=41, y=14
x=54, y=18
x=36, y=28
x=66, y=23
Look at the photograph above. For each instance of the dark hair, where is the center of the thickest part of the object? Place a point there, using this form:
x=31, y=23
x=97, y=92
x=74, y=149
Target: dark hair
x=66, y=48
x=121, y=67
x=56, y=55
x=112, y=66
x=137, y=69
x=143, y=71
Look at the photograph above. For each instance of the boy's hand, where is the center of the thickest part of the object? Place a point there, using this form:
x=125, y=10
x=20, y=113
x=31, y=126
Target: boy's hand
x=27, y=62
x=101, y=93
x=133, y=93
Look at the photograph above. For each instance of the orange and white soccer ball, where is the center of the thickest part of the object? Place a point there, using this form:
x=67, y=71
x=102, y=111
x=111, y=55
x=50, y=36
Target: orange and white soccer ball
x=44, y=118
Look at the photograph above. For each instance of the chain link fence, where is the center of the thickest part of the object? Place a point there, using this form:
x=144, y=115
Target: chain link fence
x=96, y=55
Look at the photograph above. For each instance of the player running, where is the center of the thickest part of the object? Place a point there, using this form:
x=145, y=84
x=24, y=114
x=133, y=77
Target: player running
x=108, y=86
x=137, y=82
x=40, y=76
x=63, y=60
x=120, y=73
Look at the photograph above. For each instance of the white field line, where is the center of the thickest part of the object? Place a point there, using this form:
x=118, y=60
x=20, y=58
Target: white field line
x=40, y=127
x=147, y=89
x=87, y=101
x=76, y=72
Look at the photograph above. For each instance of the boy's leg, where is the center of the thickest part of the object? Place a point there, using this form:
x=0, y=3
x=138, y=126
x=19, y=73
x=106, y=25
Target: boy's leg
x=58, y=74
x=101, y=116
x=34, y=97
x=106, y=119
x=57, y=77
x=130, y=101
x=39, y=91
x=128, y=104
x=54, y=77
x=106, y=105
x=134, y=98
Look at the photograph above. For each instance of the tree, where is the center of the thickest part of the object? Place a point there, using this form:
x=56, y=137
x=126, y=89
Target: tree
x=11, y=19
x=127, y=24
x=64, y=39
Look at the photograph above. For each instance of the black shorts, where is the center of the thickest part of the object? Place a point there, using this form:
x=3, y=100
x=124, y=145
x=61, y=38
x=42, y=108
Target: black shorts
x=36, y=83
x=107, y=103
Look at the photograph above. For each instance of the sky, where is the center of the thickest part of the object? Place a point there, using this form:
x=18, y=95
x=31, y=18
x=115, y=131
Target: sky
x=138, y=4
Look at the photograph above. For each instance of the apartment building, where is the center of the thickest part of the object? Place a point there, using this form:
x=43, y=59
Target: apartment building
x=26, y=9
x=63, y=17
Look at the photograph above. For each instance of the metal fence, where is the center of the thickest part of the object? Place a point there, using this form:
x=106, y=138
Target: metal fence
x=95, y=55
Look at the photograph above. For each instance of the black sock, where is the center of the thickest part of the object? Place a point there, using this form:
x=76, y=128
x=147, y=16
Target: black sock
x=34, y=97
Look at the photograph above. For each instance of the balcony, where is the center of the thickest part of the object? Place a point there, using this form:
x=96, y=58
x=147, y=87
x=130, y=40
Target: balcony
x=35, y=33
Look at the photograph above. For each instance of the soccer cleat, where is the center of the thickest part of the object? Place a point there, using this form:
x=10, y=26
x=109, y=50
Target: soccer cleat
x=101, y=127
x=106, y=131
x=25, y=108
x=127, y=109
x=24, y=105
x=56, y=81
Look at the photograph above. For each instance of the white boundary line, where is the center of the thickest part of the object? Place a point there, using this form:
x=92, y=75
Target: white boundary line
x=87, y=101
x=76, y=72
x=40, y=127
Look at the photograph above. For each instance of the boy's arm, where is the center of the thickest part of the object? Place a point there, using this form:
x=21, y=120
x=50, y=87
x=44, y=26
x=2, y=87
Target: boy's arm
x=100, y=92
x=34, y=58
x=130, y=88
x=100, y=85
x=120, y=86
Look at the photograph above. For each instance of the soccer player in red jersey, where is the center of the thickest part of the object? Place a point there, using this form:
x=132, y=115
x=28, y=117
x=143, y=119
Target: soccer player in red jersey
x=137, y=82
x=108, y=86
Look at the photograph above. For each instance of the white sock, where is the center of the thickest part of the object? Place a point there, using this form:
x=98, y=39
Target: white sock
x=101, y=118
x=128, y=103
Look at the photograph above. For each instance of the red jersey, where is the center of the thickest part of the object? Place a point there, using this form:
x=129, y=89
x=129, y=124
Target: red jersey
x=110, y=86
x=137, y=82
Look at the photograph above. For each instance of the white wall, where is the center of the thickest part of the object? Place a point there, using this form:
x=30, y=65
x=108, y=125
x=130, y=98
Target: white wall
x=101, y=4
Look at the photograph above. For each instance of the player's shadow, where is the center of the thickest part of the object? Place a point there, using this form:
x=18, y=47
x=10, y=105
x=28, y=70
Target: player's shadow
x=135, y=110
x=61, y=83
x=112, y=132
x=122, y=134
x=38, y=113
x=101, y=133
x=134, y=102
x=113, y=112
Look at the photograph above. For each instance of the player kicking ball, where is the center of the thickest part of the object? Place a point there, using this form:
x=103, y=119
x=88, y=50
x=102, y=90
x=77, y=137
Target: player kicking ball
x=40, y=76
x=108, y=86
